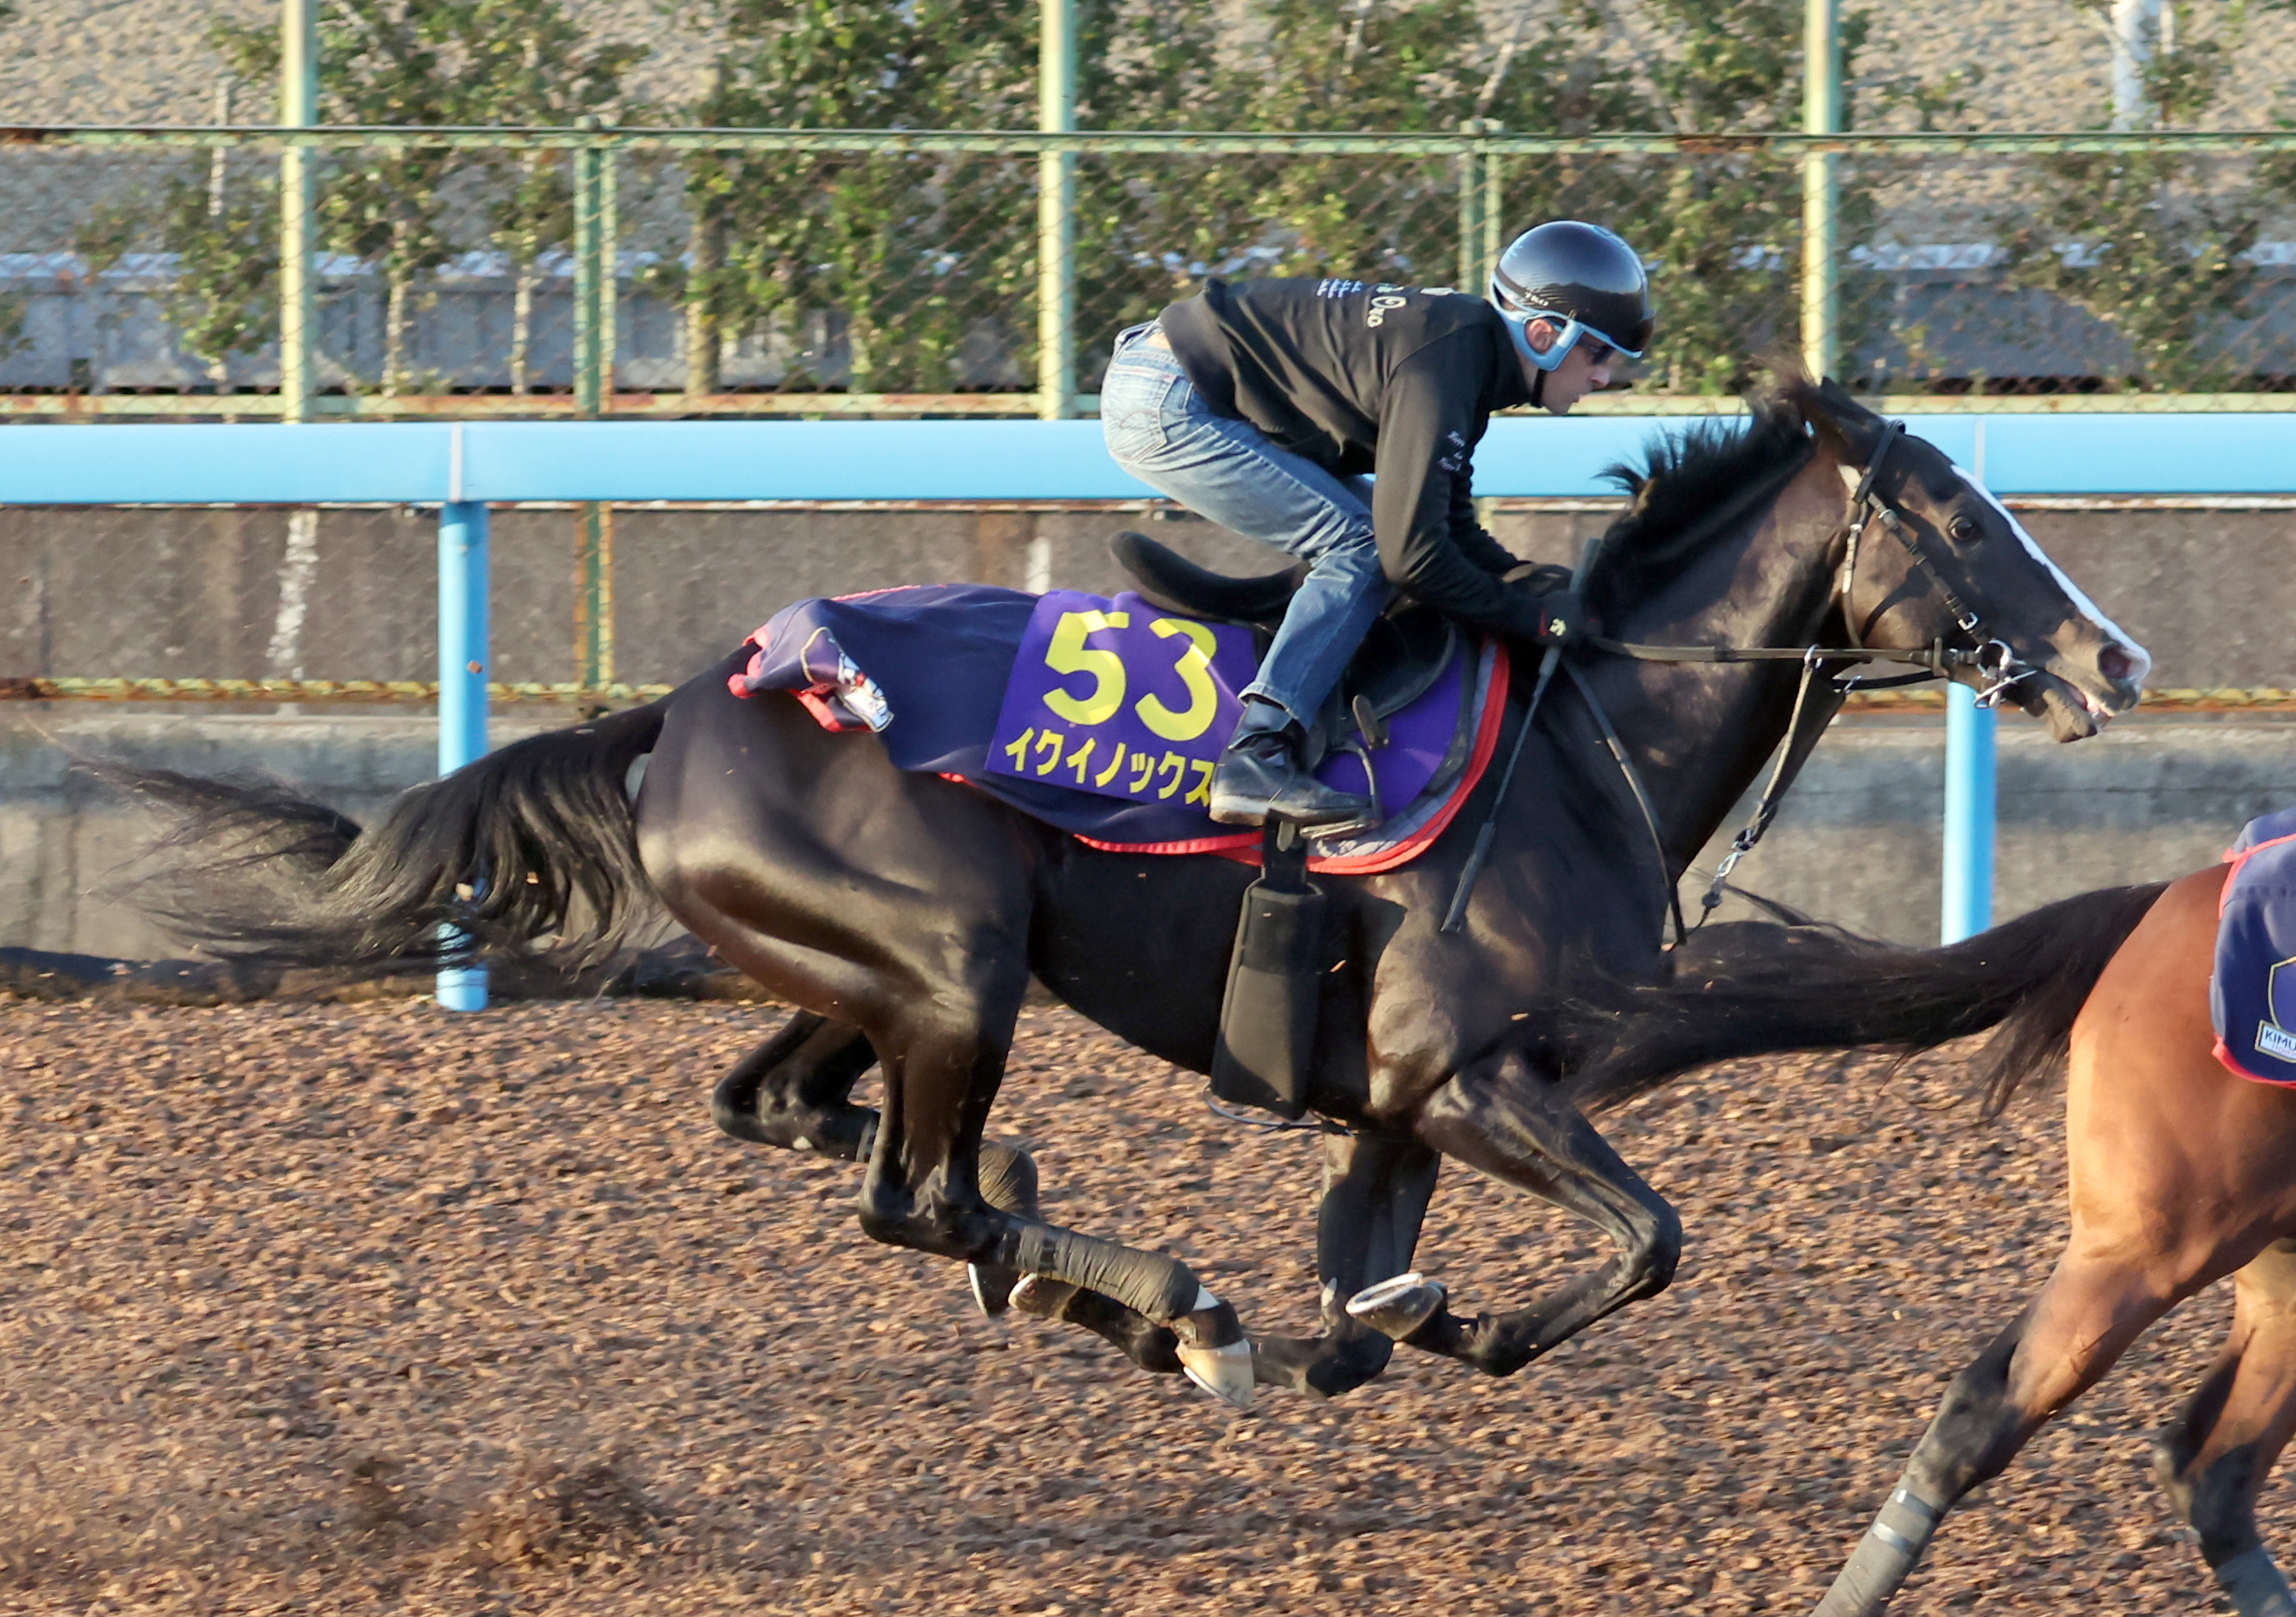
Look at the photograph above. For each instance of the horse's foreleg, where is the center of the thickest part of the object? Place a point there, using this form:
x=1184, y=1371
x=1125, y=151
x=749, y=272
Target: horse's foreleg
x=794, y=1091
x=2213, y=1458
x=1504, y=1118
x=1375, y=1193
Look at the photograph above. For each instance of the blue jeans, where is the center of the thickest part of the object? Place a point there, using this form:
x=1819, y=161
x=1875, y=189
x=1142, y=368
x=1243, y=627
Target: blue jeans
x=1160, y=431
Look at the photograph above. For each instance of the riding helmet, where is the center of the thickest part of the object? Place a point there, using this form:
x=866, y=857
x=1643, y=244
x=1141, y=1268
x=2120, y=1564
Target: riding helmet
x=1581, y=276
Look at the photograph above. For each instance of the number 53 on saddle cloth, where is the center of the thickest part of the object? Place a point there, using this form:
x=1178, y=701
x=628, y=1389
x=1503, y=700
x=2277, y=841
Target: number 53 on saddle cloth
x=2253, y=996
x=1104, y=716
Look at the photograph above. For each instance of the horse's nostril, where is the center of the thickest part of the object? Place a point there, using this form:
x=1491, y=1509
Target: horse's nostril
x=2115, y=664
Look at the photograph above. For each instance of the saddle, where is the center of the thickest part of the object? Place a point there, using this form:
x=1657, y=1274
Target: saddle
x=1404, y=654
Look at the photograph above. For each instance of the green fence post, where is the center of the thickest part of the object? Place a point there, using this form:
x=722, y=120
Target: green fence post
x=1494, y=235
x=298, y=108
x=610, y=271
x=588, y=249
x=593, y=596
x=1821, y=114
x=1056, y=77
x=1472, y=202
x=1470, y=205
x=594, y=359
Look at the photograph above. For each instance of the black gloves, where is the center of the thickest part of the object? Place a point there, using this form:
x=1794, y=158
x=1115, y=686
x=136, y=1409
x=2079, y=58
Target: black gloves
x=1555, y=617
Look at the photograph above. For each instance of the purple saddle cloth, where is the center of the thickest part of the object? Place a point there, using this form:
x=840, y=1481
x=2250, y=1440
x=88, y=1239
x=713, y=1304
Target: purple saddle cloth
x=2253, y=996
x=1101, y=715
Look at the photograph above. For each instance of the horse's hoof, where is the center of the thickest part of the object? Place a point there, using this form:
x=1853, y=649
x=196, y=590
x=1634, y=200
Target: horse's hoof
x=1041, y=1296
x=1397, y=1308
x=1213, y=1351
x=992, y=1286
x=1224, y=1372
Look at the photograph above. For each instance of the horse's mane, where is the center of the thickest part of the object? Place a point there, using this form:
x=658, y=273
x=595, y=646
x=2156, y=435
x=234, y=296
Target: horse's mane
x=1694, y=483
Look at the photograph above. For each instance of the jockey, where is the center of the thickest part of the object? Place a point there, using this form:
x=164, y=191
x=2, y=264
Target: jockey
x=1261, y=405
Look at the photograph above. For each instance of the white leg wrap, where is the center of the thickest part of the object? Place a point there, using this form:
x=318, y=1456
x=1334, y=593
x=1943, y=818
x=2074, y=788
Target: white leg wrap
x=1883, y=1557
x=1224, y=1372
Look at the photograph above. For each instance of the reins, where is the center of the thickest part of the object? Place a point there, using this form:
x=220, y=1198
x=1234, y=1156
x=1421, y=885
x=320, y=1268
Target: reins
x=1991, y=658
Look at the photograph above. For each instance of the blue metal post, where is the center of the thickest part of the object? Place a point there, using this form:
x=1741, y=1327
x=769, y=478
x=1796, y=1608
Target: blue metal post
x=462, y=680
x=1969, y=799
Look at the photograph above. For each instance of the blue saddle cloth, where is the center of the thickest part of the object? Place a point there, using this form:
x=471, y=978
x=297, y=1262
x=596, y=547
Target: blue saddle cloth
x=931, y=669
x=2253, y=996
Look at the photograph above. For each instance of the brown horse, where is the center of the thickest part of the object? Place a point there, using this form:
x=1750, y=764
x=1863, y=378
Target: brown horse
x=2182, y=1173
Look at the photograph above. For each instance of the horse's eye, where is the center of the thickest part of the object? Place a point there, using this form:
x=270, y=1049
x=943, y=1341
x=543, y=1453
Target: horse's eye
x=1963, y=530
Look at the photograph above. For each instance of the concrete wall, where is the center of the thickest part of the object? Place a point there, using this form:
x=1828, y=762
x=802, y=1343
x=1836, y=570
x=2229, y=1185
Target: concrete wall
x=65, y=837
x=1857, y=841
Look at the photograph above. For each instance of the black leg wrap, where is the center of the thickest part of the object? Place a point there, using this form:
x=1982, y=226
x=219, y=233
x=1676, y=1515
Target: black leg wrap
x=1148, y=1283
x=1008, y=1178
x=1154, y=1348
x=1008, y=1181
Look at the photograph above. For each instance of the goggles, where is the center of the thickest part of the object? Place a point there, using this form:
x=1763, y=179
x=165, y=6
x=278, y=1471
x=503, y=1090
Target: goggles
x=1572, y=334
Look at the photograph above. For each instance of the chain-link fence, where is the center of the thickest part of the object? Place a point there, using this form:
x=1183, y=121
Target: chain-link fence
x=622, y=272
x=608, y=604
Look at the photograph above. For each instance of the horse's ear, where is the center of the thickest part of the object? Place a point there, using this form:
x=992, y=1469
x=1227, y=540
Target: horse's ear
x=1834, y=415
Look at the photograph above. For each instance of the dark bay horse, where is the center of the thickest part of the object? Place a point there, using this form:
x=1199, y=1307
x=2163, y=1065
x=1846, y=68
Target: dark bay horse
x=2182, y=1173
x=904, y=914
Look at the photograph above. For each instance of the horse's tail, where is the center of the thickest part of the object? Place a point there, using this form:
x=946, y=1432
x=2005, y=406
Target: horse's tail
x=1756, y=988
x=533, y=844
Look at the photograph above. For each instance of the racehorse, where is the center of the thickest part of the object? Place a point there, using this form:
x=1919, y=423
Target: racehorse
x=904, y=914
x=2182, y=1172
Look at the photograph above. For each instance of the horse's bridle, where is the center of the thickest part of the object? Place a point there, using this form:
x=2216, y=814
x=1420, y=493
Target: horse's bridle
x=1993, y=659
x=1998, y=667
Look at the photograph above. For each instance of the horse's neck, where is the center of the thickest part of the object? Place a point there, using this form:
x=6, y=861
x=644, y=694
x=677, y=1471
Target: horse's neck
x=1700, y=733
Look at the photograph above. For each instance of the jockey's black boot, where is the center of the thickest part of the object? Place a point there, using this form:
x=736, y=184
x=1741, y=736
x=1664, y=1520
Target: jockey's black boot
x=1261, y=774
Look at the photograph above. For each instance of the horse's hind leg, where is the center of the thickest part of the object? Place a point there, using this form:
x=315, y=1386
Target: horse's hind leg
x=2214, y=1457
x=1376, y=1188
x=795, y=1090
x=2099, y=1299
x=944, y=1058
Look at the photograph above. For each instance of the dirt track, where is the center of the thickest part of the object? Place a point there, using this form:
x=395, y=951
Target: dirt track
x=365, y=1309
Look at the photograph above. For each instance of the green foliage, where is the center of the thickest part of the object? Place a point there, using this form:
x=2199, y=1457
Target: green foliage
x=1722, y=232
x=225, y=231
x=2151, y=243
x=895, y=256
x=379, y=62
x=438, y=61
x=527, y=63
x=917, y=263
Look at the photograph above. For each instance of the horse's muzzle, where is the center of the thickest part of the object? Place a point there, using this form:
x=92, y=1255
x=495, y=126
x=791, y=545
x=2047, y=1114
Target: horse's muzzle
x=2070, y=712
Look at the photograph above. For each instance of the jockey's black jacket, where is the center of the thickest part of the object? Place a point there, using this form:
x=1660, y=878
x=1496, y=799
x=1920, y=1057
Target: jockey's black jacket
x=1364, y=377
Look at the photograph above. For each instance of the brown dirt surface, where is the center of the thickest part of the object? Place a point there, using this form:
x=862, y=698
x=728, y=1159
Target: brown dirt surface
x=351, y=1309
